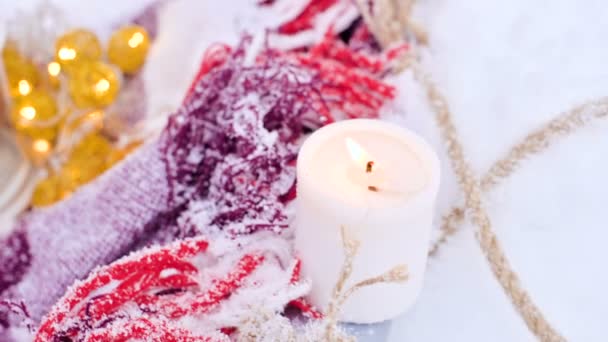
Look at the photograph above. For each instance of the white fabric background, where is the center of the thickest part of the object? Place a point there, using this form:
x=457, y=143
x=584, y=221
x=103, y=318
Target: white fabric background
x=506, y=68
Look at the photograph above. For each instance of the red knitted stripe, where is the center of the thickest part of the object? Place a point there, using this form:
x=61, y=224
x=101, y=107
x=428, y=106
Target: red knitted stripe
x=305, y=19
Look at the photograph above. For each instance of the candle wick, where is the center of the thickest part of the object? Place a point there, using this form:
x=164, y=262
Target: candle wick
x=369, y=166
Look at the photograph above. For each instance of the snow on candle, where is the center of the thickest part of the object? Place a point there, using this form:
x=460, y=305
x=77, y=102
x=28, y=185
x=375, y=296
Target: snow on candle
x=380, y=181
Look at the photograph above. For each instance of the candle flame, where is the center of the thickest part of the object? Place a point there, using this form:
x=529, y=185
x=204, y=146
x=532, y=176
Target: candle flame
x=359, y=155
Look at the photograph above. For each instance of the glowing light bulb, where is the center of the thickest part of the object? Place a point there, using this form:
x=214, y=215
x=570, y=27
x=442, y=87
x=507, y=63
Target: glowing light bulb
x=75, y=47
x=66, y=54
x=24, y=87
x=102, y=86
x=28, y=112
x=54, y=68
x=41, y=146
x=128, y=47
x=136, y=39
x=93, y=84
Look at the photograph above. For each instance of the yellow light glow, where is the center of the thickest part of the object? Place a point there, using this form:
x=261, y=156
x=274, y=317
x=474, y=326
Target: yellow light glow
x=95, y=118
x=102, y=86
x=136, y=39
x=24, y=87
x=66, y=54
x=95, y=115
x=28, y=112
x=54, y=68
x=357, y=153
x=41, y=146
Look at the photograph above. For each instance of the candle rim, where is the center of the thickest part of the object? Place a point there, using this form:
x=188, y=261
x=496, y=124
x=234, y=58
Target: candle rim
x=428, y=157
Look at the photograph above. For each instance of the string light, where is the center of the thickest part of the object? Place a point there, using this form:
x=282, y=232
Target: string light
x=54, y=68
x=28, y=112
x=35, y=115
x=94, y=85
x=24, y=87
x=128, y=48
x=66, y=54
x=21, y=73
x=136, y=39
x=41, y=146
x=75, y=47
x=102, y=86
x=91, y=83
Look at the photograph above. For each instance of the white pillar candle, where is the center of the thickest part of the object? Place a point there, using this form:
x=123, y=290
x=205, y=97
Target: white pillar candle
x=379, y=181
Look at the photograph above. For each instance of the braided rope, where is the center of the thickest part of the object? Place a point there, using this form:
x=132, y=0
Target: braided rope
x=448, y=227
x=567, y=123
x=385, y=25
x=486, y=237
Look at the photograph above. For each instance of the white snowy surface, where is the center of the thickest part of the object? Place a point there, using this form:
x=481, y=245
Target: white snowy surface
x=506, y=68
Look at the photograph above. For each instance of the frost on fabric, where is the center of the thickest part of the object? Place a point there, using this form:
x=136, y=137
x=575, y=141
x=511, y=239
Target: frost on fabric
x=51, y=247
x=224, y=163
x=231, y=149
x=17, y=254
x=188, y=291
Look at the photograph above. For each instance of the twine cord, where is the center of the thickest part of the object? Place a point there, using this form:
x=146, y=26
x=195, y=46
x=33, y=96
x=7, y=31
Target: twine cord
x=537, y=141
x=350, y=247
x=391, y=21
x=383, y=26
x=488, y=241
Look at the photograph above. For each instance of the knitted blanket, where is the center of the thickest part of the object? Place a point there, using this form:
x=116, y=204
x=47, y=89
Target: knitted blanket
x=224, y=165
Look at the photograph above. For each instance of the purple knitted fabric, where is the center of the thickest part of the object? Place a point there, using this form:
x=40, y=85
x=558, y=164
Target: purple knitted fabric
x=52, y=247
x=224, y=163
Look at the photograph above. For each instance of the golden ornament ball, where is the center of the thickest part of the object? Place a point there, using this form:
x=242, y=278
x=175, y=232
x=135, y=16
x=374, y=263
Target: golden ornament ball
x=37, y=151
x=128, y=48
x=75, y=47
x=53, y=71
x=93, y=144
x=21, y=73
x=10, y=50
x=87, y=160
x=92, y=121
x=118, y=154
x=93, y=85
x=46, y=192
x=69, y=178
x=35, y=115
